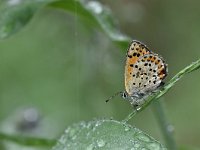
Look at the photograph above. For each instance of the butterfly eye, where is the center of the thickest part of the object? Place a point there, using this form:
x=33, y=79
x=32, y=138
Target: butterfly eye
x=124, y=95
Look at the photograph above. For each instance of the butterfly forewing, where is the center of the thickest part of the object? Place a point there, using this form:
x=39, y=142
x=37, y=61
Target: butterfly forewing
x=135, y=51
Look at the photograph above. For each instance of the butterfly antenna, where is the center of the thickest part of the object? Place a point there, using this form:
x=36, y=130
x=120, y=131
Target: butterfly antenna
x=118, y=93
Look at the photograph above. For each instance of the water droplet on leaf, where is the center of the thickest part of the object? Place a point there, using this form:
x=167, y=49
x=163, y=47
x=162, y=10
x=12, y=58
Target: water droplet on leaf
x=95, y=7
x=101, y=143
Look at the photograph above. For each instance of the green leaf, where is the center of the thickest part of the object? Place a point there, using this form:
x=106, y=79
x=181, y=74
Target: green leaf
x=96, y=15
x=106, y=134
x=14, y=14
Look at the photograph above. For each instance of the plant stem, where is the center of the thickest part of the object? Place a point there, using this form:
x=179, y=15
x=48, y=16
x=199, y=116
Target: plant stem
x=165, y=126
x=133, y=113
x=28, y=141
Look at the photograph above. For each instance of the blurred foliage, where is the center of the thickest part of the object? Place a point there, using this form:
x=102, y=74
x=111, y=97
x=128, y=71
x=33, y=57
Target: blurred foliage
x=65, y=68
x=14, y=14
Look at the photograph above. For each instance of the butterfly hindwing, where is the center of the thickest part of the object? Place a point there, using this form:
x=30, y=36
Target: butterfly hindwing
x=147, y=75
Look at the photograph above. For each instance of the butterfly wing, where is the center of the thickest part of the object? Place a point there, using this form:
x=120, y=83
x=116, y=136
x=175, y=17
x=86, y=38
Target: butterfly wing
x=148, y=73
x=135, y=51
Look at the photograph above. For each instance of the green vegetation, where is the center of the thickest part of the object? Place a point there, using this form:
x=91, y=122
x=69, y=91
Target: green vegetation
x=58, y=59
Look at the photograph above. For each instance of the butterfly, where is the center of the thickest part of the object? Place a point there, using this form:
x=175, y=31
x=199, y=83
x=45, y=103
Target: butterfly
x=144, y=73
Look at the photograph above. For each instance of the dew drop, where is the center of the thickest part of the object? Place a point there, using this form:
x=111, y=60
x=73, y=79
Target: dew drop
x=67, y=130
x=98, y=123
x=89, y=125
x=74, y=137
x=63, y=140
x=95, y=6
x=111, y=118
x=101, y=143
x=31, y=115
x=90, y=147
x=71, y=132
x=143, y=138
x=83, y=124
x=153, y=146
x=127, y=128
x=136, y=145
x=170, y=128
x=138, y=108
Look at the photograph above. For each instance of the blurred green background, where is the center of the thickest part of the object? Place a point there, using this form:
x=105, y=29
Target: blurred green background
x=61, y=71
